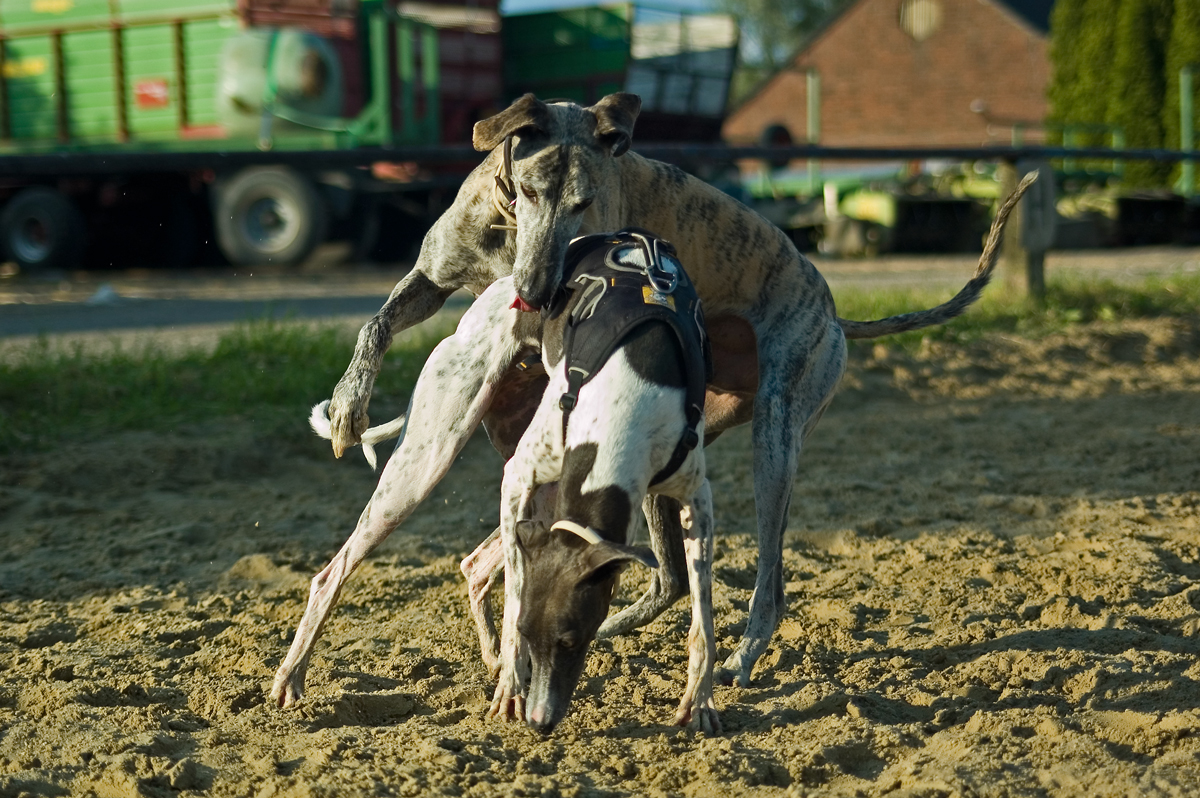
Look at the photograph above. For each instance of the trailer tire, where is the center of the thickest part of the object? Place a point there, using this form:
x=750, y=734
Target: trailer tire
x=269, y=215
x=42, y=230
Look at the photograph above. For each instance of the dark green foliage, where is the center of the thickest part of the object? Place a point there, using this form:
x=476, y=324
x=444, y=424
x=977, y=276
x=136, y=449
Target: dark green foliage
x=1066, y=58
x=1182, y=49
x=1138, y=87
x=773, y=29
x=1081, y=55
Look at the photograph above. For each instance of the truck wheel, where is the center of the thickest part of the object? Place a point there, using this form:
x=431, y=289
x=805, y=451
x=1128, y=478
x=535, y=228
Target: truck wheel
x=269, y=215
x=41, y=229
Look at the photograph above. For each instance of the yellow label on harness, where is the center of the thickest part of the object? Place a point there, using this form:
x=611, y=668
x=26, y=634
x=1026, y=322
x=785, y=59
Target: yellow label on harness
x=652, y=297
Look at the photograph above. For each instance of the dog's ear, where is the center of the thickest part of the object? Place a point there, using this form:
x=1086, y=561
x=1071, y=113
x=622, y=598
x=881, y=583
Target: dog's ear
x=615, y=115
x=530, y=536
x=526, y=111
x=603, y=559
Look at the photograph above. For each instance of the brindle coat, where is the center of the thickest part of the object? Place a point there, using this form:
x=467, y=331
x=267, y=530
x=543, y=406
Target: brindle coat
x=779, y=347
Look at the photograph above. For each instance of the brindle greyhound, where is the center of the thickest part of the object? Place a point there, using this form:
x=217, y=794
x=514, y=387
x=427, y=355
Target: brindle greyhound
x=778, y=344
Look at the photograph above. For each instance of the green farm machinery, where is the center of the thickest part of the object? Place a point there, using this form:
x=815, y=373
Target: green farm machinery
x=128, y=115
x=136, y=132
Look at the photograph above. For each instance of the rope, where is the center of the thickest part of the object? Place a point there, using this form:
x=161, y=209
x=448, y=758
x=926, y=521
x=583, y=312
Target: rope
x=504, y=196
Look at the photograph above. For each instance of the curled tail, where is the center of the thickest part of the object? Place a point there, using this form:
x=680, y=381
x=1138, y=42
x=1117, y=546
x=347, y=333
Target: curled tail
x=319, y=421
x=963, y=299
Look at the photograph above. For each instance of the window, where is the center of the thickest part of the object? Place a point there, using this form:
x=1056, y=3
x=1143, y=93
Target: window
x=920, y=19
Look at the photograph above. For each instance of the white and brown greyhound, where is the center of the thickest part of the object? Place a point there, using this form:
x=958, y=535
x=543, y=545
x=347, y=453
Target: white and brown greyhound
x=778, y=345
x=622, y=417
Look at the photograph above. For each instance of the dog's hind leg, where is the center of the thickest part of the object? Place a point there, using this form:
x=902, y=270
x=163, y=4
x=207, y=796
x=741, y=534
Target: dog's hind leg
x=669, y=581
x=483, y=568
x=794, y=391
x=451, y=395
x=697, y=705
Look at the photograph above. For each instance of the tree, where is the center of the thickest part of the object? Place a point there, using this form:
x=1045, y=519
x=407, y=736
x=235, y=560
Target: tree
x=772, y=30
x=1081, y=58
x=1138, y=87
x=1183, y=49
x=1066, y=58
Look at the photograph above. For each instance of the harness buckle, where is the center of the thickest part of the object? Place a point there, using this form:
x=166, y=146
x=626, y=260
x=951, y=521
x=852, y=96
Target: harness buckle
x=567, y=402
x=690, y=439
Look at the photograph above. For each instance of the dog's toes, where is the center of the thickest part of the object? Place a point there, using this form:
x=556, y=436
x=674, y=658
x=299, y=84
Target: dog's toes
x=709, y=721
x=507, y=705
x=703, y=717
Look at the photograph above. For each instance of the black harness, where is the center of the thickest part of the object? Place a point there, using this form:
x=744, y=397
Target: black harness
x=614, y=283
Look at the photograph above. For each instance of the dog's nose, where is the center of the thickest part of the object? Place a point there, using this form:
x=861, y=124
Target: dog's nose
x=541, y=720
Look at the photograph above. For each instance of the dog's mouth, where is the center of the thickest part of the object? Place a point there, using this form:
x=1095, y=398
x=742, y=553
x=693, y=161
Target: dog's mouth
x=521, y=305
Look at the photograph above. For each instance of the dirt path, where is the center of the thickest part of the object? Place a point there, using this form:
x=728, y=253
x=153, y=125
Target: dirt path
x=992, y=575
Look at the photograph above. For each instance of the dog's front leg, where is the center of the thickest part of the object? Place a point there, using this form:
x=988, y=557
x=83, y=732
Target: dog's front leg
x=450, y=398
x=484, y=567
x=697, y=705
x=414, y=299
x=668, y=582
x=508, y=702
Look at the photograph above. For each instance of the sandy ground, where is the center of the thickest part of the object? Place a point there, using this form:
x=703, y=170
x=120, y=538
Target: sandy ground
x=991, y=572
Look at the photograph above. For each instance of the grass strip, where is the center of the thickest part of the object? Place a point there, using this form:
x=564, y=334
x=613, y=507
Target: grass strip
x=270, y=372
x=261, y=370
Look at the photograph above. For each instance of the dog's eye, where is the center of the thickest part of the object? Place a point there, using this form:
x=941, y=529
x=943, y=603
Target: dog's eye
x=580, y=207
x=529, y=193
x=568, y=640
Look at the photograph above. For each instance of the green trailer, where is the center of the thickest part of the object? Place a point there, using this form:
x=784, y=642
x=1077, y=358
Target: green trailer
x=89, y=81
x=680, y=62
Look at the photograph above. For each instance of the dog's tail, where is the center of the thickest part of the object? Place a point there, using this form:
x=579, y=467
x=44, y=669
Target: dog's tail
x=319, y=421
x=962, y=300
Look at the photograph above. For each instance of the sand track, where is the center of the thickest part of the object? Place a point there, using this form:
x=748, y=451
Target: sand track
x=993, y=577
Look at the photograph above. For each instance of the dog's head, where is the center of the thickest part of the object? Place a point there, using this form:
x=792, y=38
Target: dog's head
x=563, y=162
x=568, y=586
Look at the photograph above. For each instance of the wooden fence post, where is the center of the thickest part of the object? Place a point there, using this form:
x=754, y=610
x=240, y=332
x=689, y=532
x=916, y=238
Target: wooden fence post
x=1031, y=227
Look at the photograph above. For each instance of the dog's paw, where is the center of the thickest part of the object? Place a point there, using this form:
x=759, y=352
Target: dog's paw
x=730, y=677
x=701, y=715
x=348, y=421
x=288, y=688
x=508, y=703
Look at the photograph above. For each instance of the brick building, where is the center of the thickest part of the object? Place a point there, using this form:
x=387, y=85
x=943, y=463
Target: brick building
x=912, y=73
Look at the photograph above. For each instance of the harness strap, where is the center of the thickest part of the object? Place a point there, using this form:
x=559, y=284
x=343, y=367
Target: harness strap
x=689, y=440
x=576, y=377
x=504, y=194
